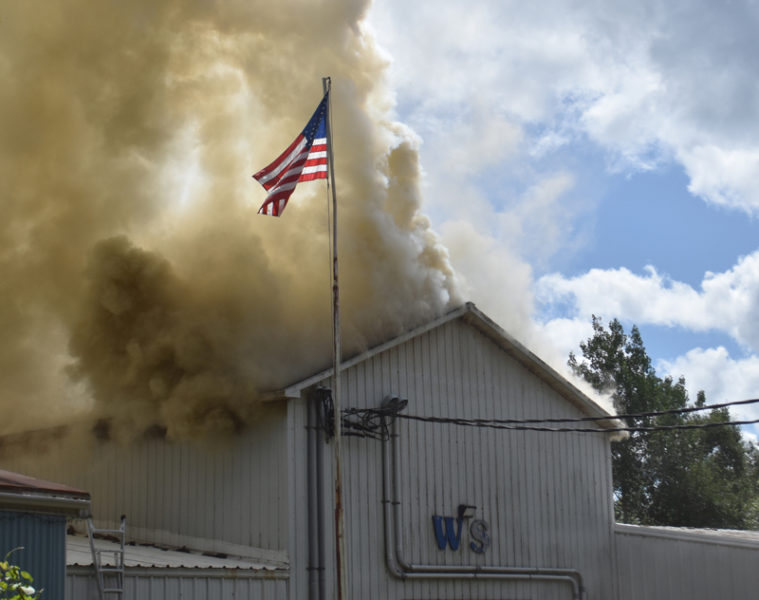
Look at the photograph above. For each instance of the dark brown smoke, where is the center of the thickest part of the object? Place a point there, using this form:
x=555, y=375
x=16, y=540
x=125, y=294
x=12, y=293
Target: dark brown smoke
x=137, y=283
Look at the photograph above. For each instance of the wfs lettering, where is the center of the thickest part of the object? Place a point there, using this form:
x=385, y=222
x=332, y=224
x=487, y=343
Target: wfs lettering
x=448, y=530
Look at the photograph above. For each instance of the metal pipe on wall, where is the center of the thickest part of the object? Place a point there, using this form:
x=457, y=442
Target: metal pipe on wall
x=311, y=477
x=321, y=567
x=403, y=569
x=315, y=482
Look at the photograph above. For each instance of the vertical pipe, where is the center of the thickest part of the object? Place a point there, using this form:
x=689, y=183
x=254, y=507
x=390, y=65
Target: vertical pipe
x=322, y=550
x=313, y=539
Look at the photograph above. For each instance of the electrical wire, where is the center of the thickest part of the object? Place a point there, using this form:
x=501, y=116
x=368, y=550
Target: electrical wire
x=516, y=427
x=372, y=422
x=658, y=413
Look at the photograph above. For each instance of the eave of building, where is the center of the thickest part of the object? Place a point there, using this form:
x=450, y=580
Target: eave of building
x=23, y=493
x=471, y=315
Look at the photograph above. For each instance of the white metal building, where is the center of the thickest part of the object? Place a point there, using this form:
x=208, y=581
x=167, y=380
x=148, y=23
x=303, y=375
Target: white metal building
x=436, y=511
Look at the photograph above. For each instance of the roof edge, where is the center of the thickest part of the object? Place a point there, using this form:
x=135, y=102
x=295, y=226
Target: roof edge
x=536, y=365
x=294, y=390
x=475, y=317
x=191, y=572
x=725, y=537
x=73, y=507
x=20, y=492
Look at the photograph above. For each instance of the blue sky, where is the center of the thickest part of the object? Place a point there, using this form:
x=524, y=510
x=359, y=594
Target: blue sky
x=594, y=158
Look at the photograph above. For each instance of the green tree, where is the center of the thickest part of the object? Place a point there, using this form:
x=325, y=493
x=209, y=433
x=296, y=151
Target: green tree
x=688, y=478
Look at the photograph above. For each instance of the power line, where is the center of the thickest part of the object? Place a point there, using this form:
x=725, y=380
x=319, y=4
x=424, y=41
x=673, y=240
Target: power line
x=658, y=413
x=516, y=427
x=373, y=422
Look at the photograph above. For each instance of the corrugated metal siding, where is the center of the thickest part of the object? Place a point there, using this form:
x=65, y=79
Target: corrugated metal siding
x=660, y=566
x=545, y=496
x=43, y=538
x=215, y=495
x=162, y=586
x=297, y=502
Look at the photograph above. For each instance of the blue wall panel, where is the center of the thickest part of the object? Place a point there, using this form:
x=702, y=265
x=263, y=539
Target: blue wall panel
x=43, y=538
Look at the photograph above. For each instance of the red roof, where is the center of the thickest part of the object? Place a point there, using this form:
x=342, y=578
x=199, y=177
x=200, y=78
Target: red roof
x=15, y=482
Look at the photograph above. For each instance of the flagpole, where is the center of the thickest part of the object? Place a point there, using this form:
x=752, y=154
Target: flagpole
x=341, y=582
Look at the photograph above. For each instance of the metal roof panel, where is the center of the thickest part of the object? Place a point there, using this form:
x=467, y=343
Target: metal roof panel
x=78, y=553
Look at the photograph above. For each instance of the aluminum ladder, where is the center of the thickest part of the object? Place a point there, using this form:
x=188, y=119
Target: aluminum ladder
x=108, y=562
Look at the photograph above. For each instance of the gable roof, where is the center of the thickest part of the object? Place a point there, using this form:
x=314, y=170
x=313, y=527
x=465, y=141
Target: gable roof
x=23, y=493
x=472, y=316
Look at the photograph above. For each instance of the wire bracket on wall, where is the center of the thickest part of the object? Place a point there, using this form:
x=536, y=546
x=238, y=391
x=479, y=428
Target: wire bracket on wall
x=373, y=423
x=326, y=412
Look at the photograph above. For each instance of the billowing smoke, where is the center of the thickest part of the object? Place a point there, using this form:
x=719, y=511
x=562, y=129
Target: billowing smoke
x=137, y=282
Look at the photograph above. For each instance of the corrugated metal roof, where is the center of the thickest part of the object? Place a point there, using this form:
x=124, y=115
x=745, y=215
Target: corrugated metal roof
x=78, y=553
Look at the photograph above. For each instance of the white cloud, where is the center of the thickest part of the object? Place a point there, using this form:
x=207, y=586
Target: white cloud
x=620, y=293
x=455, y=53
x=648, y=82
x=481, y=141
x=537, y=223
x=724, y=379
x=724, y=175
x=726, y=302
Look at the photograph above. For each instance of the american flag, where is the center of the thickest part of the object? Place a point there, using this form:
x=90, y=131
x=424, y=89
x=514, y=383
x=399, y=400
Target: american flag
x=304, y=160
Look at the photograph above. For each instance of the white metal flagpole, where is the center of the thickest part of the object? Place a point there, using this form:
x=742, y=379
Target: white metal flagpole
x=341, y=582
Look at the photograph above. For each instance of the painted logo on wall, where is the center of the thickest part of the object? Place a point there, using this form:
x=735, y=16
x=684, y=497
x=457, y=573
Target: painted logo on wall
x=448, y=530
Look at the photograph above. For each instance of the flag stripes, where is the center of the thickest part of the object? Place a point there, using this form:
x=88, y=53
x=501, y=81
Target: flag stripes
x=303, y=160
x=316, y=162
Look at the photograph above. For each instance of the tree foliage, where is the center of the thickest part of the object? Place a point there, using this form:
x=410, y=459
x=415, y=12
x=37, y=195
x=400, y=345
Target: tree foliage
x=687, y=478
x=15, y=583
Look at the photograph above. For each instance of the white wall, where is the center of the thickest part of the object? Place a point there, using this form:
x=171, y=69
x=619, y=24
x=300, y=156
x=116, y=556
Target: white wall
x=545, y=496
x=661, y=564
